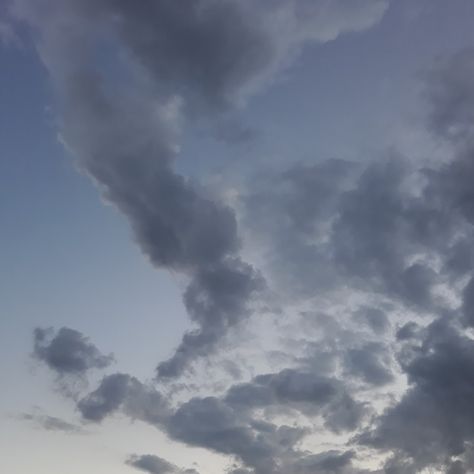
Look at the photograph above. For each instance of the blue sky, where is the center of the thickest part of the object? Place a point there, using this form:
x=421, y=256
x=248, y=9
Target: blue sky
x=82, y=247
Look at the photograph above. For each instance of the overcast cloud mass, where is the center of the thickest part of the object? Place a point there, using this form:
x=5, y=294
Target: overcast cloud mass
x=330, y=300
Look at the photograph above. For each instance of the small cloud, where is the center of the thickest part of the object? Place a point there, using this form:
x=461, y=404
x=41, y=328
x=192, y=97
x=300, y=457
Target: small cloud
x=68, y=352
x=156, y=465
x=50, y=423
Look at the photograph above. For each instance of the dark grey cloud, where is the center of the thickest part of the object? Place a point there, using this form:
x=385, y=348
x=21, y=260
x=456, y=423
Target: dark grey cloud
x=434, y=420
x=189, y=46
x=68, y=352
x=307, y=392
x=371, y=363
x=334, y=224
x=124, y=393
x=216, y=300
x=380, y=225
x=375, y=230
x=229, y=424
x=262, y=446
x=177, y=228
x=432, y=425
x=106, y=399
x=456, y=467
x=295, y=386
x=407, y=331
x=450, y=95
x=151, y=464
x=155, y=465
x=216, y=52
x=128, y=148
x=212, y=424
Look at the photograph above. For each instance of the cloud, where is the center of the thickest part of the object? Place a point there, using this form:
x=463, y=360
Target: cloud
x=307, y=392
x=229, y=424
x=51, y=423
x=433, y=421
x=468, y=303
x=68, y=352
x=156, y=465
x=187, y=48
x=124, y=392
x=151, y=464
x=407, y=331
x=212, y=424
x=370, y=363
x=127, y=147
x=432, y=424
x=216, y=299
x=205, y=422
x=289, y=213
x=450, y=94
x=334, y=224
x=331, y=462
x=382, y=238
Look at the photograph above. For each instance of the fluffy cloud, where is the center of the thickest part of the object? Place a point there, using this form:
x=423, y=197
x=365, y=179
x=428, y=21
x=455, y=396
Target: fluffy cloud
x=124, y=392
x=230, y=424
x=68, y=352
x=433, y=421
x=432, y=425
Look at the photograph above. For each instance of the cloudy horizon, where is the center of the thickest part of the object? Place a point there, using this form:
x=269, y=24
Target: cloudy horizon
x=237, y=236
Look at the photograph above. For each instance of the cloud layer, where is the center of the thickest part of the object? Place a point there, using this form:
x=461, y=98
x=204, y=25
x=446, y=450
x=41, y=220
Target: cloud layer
x=369, y=265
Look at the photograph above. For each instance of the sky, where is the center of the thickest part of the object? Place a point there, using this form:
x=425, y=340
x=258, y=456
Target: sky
x=236, y=236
